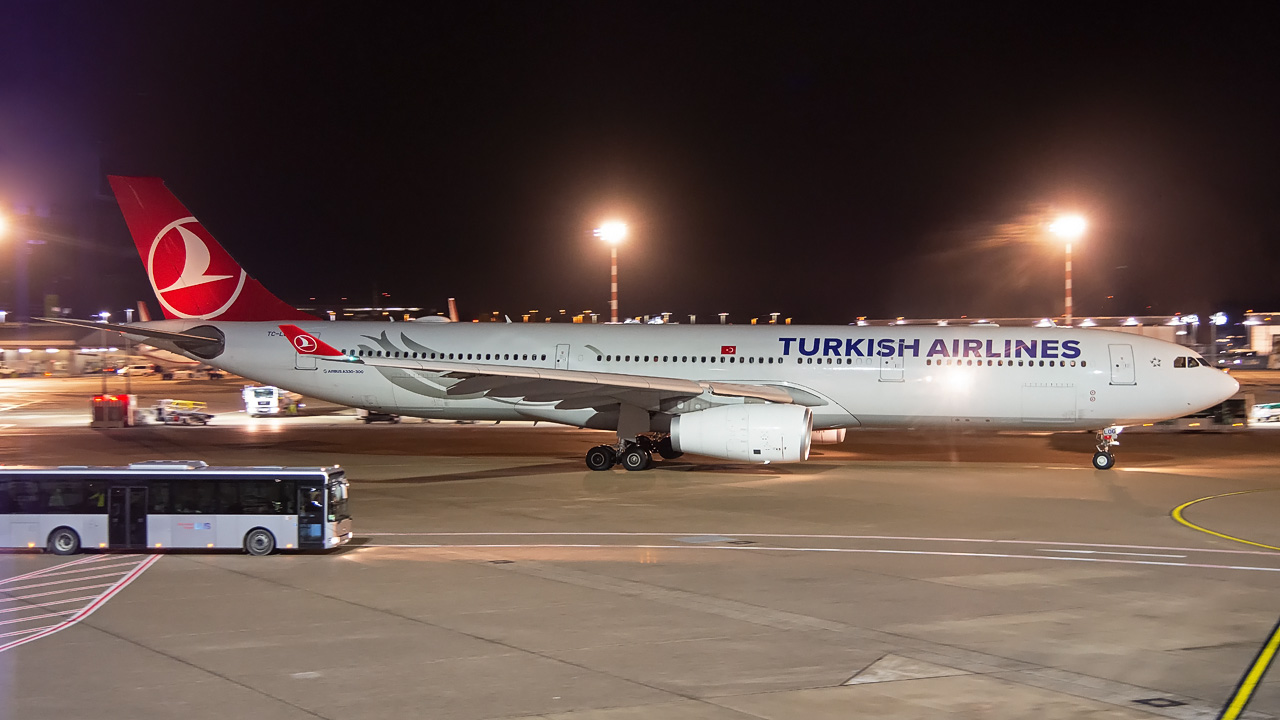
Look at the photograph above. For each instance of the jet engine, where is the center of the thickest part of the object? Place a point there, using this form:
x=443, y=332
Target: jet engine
x=745, y=433
x=831, y=436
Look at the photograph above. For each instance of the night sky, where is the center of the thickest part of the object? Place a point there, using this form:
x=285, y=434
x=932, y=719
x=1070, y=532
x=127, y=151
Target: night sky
x=826, y=161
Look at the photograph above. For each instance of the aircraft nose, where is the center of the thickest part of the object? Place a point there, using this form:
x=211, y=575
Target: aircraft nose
x=1228, y=386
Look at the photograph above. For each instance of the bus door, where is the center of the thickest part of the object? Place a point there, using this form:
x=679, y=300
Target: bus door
x=311, y=515
x=127, y=517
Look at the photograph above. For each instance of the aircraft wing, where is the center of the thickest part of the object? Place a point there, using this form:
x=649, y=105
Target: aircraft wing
x=127, y=329
x=548, y=383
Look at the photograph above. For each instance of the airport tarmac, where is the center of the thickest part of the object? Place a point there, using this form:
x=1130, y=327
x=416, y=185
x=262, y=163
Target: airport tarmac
x=904, y=575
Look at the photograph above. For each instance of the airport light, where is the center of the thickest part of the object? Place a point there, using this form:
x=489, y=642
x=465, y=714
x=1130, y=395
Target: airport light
x=1069, y=228
x=4, y=226
x=613, y=232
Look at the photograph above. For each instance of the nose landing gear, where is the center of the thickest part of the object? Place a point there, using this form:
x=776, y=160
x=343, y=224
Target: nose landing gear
x=1108, y=437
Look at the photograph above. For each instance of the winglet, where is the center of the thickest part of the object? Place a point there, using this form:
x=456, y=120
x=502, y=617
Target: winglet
x=307, y=344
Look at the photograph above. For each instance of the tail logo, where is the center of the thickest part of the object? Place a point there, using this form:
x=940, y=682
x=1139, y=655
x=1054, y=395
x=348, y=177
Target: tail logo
x=192, y=275
x=304, y=343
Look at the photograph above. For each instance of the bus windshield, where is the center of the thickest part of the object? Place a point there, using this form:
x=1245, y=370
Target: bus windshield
x=338, y=497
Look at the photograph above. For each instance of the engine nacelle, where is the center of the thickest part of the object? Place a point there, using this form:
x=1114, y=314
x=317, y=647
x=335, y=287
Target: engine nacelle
x=746, y=433
x=831, y=436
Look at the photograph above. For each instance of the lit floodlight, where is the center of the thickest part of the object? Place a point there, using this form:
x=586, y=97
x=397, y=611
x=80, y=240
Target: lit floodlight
x=1191, y=319
x=4, y=226
x=1131, y=322
x=612, y=232
x=1069, y=227
x=1218, y=318
x=1088, y=322
x=1045, y=323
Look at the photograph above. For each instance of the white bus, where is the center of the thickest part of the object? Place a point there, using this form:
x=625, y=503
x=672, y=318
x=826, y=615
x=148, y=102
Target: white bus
x=162, y=504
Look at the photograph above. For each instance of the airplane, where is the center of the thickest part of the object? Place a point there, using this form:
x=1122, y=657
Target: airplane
x=750, y=394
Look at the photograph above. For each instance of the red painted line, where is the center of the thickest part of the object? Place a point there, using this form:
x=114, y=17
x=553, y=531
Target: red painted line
x=89, y=609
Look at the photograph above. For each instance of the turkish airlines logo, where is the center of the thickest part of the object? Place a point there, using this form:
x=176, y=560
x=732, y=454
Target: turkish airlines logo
x=192, y=275
x=305, y=343
x=728, y=349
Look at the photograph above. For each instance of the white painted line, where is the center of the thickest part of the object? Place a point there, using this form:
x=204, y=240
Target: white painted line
x=41, y=571
x=47, y=604
x=91, y=568
x=15, y=406
x=1104, y=552
x=36, y=617
x=816, y=537
x=89, y=609
x=749, y=548
x=77, y=588
x=26, y=632
x=63, y=582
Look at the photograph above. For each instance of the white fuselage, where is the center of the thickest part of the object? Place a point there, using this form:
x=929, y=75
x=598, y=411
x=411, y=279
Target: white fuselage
x=898, y=376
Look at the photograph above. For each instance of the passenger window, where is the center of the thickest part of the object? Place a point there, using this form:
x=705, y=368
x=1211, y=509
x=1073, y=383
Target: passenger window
x=1180, y=362
x=599, y=358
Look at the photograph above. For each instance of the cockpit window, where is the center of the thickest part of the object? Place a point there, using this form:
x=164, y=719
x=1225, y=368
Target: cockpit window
x=1203, y=362
x=1180, y=362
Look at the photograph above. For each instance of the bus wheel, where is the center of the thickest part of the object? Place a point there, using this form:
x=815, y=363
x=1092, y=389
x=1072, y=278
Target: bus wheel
x=64, y=541
x=259, y=542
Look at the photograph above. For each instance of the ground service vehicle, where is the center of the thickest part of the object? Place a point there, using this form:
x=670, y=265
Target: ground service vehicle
x=260, y=401
x=162, y=504
x=182, y=412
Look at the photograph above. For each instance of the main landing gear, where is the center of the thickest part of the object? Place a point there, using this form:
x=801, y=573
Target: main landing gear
x=1103, y=459
x=632, y=454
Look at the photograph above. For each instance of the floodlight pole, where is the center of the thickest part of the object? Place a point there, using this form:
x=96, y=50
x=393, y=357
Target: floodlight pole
x=613, y=299
x=1068, y=288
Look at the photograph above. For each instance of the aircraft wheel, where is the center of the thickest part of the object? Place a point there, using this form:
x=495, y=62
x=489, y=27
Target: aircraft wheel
x=601, y=457
x=1104, y=460
x=636, y=458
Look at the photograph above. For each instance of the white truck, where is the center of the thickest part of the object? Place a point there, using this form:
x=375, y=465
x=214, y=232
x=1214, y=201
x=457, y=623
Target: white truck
x=268, y=400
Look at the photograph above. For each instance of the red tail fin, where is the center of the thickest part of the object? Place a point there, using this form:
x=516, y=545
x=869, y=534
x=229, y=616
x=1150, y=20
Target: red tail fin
x=192, y=276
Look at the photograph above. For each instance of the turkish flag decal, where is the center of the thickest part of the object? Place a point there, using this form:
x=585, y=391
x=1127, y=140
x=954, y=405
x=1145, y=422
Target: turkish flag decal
x=728, y=349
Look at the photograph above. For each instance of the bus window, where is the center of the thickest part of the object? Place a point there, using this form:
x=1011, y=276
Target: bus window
x=25, y=496
x=194, y=496
x=229, y=498
x=338, y=501
x=62, y=496
x=159, y=498
x=267, y=497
